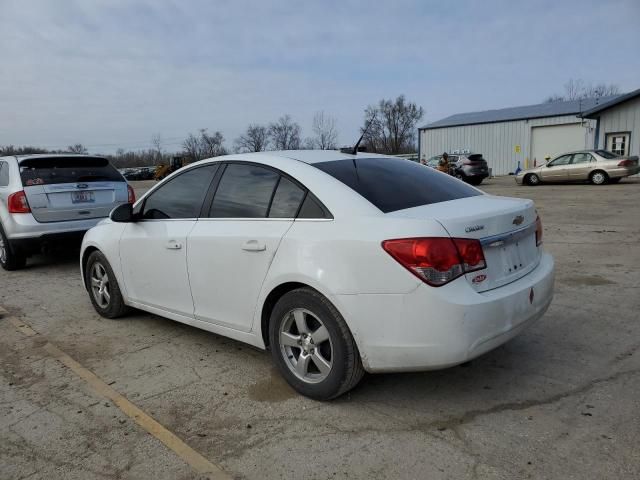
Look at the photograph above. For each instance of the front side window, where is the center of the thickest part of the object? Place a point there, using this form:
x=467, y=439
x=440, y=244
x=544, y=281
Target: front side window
x=563, y=160
x=4, y=174
x=180, y=197
x=394, y=184
x=244, y=191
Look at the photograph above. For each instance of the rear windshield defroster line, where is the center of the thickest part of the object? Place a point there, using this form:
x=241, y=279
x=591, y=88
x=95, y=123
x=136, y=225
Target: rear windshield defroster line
x=393, y=184
x=54, y=170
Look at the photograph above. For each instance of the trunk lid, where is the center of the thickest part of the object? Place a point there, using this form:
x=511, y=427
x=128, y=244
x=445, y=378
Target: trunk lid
x=505, y=227
x=71, y=188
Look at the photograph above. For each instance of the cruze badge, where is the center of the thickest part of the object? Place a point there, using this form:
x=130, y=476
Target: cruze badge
x=518, y=220
x=474, y=228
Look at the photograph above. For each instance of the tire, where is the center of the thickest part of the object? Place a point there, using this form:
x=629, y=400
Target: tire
x=532, y=179
x=96, y=270
x=331, y=366
x=9, y=258
x=475, y=181
x=598, y=177
x=615, y=180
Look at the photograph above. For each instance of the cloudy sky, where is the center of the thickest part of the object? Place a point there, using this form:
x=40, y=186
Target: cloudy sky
x=112, y=73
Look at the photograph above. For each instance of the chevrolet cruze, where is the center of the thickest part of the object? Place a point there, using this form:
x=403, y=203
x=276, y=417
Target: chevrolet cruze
x=336, y=263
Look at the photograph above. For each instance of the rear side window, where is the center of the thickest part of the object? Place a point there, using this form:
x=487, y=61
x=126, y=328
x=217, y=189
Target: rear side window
x=53, y=170
x=395, y=184
x=4, y=174
x=286, y=200
x=244, y=191
x=180, y=197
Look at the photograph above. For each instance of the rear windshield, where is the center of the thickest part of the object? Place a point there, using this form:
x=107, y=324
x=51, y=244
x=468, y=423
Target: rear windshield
x=607, y=155
x=476, y=157
x=49, y=171
x=395, y=184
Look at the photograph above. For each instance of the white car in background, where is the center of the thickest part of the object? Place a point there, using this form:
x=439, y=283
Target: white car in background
x=337, y=263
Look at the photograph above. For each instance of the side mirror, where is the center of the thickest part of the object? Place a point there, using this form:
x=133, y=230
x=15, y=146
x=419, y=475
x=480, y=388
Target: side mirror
x=122, y=213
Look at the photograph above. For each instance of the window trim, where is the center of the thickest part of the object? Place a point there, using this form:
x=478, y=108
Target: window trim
x=206, y=210
x=140, y=214
x=612, y=134
x=5, y=165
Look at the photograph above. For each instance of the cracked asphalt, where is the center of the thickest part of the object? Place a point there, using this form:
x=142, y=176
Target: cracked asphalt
x=561, y=401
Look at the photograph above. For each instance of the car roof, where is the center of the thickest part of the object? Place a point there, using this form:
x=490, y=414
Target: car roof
x=22, y=158
x=306, y=156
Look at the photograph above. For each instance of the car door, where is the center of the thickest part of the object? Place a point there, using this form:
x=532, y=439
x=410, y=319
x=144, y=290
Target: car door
x=580, y=166
x=153, y=250
x=556, y=169
x=229, y=253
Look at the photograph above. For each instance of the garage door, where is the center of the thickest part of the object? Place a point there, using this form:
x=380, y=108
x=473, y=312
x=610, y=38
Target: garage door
x=556, y=139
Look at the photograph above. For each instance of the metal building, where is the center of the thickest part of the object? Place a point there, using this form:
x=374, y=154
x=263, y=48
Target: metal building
x=512, y=136
x=618, y=124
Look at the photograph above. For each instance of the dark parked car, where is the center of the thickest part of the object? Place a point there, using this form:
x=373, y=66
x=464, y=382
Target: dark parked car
x=472, y=167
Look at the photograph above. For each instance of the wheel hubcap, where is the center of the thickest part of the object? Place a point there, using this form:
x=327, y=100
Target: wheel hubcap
x=305, y=345
x=100, y=285
x=598, y=178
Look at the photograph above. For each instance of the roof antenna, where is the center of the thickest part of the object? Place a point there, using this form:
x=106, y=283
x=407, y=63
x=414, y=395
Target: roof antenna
x=354, y=150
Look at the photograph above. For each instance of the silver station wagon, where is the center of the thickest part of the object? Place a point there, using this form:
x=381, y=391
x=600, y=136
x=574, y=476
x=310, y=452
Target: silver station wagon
x=49, y=199
x=595, y=166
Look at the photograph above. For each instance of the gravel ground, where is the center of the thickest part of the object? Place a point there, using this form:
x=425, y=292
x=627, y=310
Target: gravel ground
x=562, y=400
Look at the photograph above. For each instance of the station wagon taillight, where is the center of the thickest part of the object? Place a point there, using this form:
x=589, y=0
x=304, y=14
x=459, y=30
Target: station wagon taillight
x=17, y=203
x=131, y=194
x=437, y=260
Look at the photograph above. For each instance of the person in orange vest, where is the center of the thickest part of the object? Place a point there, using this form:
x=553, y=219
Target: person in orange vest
x=443, y=166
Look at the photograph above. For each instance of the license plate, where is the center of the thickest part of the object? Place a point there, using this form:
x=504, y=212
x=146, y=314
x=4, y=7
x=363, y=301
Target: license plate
x=82, y=197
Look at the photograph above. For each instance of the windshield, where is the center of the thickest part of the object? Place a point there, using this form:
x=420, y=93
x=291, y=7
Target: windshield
x=53, y=170
x=394, y=184
x=607, y=155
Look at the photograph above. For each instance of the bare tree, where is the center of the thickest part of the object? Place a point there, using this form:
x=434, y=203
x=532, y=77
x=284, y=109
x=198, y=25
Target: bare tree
x=392, y=126
x=326, y=133
x=309, y=144
x=577, y=89
x=255, y=139
x=204, y=145
x=156, y=141
x=285, y=134
x=77, y=148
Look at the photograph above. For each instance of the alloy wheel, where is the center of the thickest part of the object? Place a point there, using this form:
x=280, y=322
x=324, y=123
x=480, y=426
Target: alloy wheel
x=598, y=178
x=100, y=285
x=305, y=345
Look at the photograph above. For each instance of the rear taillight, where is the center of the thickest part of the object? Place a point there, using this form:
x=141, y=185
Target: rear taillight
x=538, y=231
x=437, y=260
x=626, y=163
x=17, y=203
x=132, y=194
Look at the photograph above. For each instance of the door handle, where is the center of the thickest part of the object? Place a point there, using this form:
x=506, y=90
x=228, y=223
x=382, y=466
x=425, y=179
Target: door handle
x=254, y=246
x=173, y=245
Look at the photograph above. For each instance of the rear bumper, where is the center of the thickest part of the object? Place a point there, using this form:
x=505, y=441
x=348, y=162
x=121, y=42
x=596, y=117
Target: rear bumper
x=623, y=172
x=23, y=226
x=434, y=328
x=30, y=246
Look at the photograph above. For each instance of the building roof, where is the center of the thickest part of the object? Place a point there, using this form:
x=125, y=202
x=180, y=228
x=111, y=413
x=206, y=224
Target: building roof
x=551, y=109
x=615, y=101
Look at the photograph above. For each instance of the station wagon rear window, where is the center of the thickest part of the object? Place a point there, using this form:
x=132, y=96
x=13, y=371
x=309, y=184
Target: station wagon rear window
x=396, y=184
x=53, y=170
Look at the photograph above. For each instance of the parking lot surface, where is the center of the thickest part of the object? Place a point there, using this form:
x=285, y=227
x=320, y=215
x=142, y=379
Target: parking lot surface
x=562, y=400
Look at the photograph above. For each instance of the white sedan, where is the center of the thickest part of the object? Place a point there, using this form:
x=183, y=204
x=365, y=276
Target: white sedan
x=337, y=263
